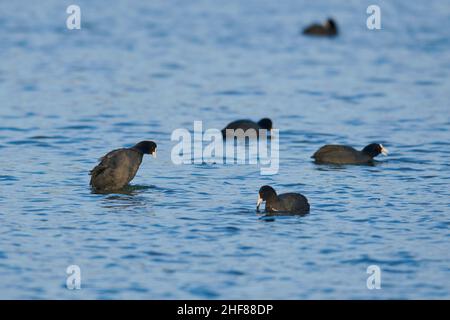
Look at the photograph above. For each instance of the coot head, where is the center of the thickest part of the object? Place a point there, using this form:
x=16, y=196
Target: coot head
x=265, y=193
x=375, y=149
x=146, y=147
x=331, y=25
x=265, y=123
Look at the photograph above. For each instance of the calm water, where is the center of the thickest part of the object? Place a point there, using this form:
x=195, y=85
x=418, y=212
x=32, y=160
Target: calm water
x=138, y=70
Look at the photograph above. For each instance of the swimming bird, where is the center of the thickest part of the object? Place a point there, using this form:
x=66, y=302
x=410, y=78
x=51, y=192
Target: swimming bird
x=264, y=123
x=286, y=203
x=328, y=28
x=118, y=167
x=339, y=154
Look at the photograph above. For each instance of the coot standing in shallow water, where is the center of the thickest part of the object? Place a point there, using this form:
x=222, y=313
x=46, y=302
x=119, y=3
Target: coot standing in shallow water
x=264, y=123
x=117, y=168
x=329, y=28
x=286, y=203
x=339, y=154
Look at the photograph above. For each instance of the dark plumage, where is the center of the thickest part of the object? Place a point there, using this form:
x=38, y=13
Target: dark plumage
x=264, y=123
x=118, y=167
x=329, y=28
x=286, y=203
x=338, y=154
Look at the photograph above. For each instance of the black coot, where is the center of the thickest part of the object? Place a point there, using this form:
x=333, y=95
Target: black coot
x=286, y=203
x=264, y=123
x=117, y=168
x=339, y=154
x=329, y=28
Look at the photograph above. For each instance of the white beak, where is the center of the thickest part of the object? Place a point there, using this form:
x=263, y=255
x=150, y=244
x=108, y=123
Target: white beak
x=384, y=151
x=154, y=154
x=258, y=203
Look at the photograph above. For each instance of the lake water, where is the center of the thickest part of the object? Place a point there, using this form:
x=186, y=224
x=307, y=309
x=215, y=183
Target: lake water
x=139, y=70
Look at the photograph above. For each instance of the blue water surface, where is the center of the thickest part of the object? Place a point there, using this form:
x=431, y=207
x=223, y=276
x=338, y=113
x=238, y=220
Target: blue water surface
x=138, y=70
